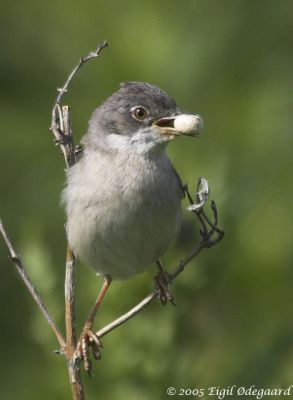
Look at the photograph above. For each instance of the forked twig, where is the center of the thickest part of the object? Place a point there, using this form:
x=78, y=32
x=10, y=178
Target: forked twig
x=60, y=124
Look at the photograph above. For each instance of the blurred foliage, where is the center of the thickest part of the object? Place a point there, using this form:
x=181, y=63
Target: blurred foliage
x=230, y=61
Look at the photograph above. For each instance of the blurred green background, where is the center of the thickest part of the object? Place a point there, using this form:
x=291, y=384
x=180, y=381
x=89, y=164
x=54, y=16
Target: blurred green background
x=230, y=61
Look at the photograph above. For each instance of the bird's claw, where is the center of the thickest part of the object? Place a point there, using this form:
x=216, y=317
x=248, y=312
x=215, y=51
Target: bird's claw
x=162, y=281
x=88, y=340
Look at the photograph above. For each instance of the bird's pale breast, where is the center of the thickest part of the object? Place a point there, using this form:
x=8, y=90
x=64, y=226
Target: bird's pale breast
x=123, y=212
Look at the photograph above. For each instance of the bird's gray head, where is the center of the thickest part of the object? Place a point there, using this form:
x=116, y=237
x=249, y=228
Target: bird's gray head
x=138, y=117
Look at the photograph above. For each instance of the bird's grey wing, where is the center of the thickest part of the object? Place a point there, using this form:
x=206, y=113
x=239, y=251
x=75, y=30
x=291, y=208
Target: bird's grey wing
x=180, y=183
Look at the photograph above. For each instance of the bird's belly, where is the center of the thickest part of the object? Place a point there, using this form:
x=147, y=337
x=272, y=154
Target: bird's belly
x=124, y=236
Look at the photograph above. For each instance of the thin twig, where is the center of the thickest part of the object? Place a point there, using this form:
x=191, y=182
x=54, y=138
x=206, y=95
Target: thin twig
x=130, y=314
x=83, y=60
x=28, y=283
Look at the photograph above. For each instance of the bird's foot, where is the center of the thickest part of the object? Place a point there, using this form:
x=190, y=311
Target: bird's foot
x=88, y=340
x=162, y=281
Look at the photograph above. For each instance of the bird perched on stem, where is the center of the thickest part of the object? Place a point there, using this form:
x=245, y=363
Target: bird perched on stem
x=123, y=197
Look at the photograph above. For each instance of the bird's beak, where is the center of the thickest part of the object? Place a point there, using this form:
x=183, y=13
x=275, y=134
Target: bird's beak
x=180, y=125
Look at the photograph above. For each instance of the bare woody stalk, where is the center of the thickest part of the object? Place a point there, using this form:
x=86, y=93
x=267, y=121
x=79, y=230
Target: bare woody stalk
x=62, y=126
x=73, y=361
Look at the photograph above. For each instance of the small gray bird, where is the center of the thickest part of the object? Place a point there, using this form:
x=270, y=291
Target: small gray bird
x=123, y=197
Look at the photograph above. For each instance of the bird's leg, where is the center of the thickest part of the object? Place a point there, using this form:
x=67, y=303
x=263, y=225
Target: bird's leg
x=162, y=281
x=88, y=339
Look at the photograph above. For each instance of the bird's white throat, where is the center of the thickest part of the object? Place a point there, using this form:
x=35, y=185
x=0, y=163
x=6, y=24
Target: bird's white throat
x=142, y=141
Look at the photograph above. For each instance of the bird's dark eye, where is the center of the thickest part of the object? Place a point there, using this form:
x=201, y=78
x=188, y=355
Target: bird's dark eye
x=139, y=113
